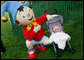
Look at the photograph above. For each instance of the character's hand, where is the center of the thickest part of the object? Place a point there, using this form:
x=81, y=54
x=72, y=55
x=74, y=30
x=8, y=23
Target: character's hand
x=37, y=28
x=49, y=17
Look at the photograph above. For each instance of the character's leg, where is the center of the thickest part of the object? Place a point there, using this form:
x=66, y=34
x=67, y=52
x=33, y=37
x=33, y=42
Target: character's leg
x=31, y=50
x=41, y=44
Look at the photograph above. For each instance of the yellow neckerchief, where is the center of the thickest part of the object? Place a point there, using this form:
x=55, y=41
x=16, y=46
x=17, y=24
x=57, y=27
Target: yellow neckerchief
x=33, y=23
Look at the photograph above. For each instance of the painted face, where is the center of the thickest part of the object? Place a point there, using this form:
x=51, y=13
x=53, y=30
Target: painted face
x=25, y=15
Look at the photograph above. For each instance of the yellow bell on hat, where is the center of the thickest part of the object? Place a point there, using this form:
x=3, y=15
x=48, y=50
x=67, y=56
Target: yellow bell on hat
x=4, y=19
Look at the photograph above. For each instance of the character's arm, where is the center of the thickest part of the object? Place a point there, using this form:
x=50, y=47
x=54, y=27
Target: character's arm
x=42, y=19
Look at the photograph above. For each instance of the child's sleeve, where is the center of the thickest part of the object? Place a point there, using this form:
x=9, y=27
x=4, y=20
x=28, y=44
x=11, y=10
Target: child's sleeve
x=42, y=19
x=28, y=35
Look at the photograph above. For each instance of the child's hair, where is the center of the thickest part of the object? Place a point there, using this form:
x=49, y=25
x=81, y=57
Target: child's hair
x=55, y=27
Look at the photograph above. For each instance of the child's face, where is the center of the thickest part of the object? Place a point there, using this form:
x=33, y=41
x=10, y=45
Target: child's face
x=25, y=16
x=57, y=30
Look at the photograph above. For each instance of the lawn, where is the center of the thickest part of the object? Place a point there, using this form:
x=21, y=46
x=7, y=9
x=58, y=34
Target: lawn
x=16, y=49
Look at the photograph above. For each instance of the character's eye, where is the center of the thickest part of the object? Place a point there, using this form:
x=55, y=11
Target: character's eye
x=22, y=16
x=28, y=9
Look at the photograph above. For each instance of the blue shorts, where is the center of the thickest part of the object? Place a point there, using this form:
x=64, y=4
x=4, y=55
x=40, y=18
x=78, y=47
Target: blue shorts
x=42, y=40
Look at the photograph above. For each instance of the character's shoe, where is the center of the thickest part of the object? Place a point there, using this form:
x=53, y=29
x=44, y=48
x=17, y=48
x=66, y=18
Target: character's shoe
x=41, y=47
x=32, y=53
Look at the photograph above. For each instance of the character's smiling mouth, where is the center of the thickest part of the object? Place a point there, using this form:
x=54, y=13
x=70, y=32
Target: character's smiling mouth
x=30, y=18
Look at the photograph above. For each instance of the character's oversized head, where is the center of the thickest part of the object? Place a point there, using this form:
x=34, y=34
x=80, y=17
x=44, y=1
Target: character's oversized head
x=25, y=15
x=22, y=13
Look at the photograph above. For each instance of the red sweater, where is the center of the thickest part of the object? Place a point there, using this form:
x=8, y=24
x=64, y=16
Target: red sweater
x=31, y=34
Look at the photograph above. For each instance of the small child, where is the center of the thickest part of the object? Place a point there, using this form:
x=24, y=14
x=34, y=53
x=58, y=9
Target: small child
x=59, y=37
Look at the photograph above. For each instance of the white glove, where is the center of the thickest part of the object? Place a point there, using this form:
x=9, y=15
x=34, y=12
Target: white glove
x=37, y=28
x=49, y=17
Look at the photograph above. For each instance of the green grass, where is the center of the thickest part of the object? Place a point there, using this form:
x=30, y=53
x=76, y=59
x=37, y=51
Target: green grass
x=16, y=48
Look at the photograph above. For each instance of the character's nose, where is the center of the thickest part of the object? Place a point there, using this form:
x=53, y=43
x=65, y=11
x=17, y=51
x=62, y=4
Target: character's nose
x=28, y=14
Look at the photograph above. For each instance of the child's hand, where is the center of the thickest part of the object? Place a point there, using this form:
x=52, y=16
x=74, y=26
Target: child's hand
x=37, y=28
x=49, y=17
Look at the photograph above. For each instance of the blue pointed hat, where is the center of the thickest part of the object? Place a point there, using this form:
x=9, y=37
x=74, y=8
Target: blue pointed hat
x=11, y=7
